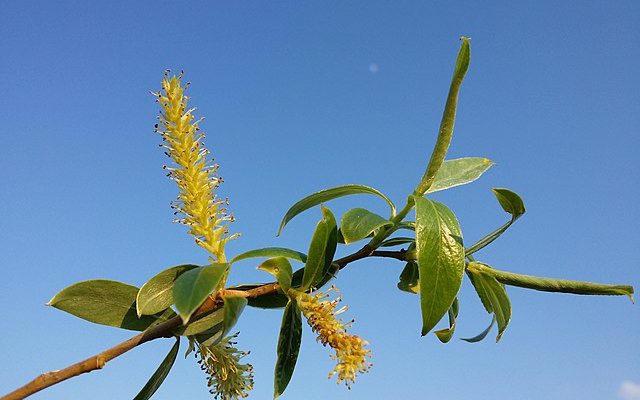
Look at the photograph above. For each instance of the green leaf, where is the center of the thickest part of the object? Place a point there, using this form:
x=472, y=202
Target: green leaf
x=440, y=259
x=281, y=269
x=157, y=294
x=458, y=172
x=211, y=321
x=211, y=336
x=409, y=281
x=492, y=294
x=358, y=223
x=160, y=375
x=271, y=252
x=274, y=300
x=448, y=120
x=233, y=306
x=511, y=203
x=330, y=194
x=193, y=287
x=445, y=335
x=321, y=250
x=397, y=241
x=482, y=334
x=106, y=302
x=288, y=347
x=556, y=285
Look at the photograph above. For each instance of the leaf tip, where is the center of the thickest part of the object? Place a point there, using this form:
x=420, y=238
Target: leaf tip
x=138, y=309
x=185, y=318
x=52, y=302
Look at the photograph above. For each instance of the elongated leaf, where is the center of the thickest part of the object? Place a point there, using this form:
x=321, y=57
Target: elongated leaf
x=157, y=294
x=212, y=321
x=458, y=172
x=288, y=348
x=409, y=281
x=397, y=241
x=557, y=285
x=106, y=302
x=321, y=250
x=211, y=336
x=296, y=280
x=492, y=294
x=440, y=259
x=281, y=269
x=160, y=375
x=445, y=335
x=330, y=194
x=275, y=300
x=358, y=223
x=233, y=306
x=482, y=334
x=208, y=329
x=271, y=252
x=511, y=203
x=193, y=287
x=448, y=120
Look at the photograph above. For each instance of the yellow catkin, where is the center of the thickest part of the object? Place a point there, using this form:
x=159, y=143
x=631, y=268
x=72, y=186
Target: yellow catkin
x=350, y=353
x=227, y=379
x=192, y=170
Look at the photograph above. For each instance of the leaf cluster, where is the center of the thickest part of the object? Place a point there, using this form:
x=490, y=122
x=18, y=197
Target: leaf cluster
x=435, y=255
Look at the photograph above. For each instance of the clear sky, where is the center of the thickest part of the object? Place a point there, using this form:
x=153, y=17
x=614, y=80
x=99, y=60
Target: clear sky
x=301, y=96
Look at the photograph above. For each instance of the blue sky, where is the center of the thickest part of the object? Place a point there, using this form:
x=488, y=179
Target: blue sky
x=300, y=97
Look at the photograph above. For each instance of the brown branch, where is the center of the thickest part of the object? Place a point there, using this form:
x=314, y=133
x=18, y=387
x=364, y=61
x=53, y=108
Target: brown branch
x=167, y=329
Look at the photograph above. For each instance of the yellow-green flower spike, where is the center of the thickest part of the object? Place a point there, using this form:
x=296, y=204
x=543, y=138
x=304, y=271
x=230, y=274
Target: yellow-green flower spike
x=227, y=379
x=350, y=353
x=192, y=170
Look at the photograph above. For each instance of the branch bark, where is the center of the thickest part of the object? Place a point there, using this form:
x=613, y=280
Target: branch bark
x=167, y=329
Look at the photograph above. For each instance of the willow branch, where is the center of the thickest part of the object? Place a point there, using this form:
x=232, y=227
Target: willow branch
x=168, y=329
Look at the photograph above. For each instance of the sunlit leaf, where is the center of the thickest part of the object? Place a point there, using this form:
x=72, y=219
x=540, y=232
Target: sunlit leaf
x=458, y=172
x=233, y=306
x=160, y=375
x=482, y=334
x=211, y=321
x=358, y=223
x=271, y=252
x=106, y=302
x=330, y=194
x=440, y=259
x=281, y=269
x=192, y=288
x=157, y=294
x=321, y=250
x=409, y=281
x=448, y=119
x=397, y=241
x=288, y=347
x=556, y=285
x=511, y=203
x=445, y=335
x=492, y=294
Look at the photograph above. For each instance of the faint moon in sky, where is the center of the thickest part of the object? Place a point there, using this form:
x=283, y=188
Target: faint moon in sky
x=373, y=68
